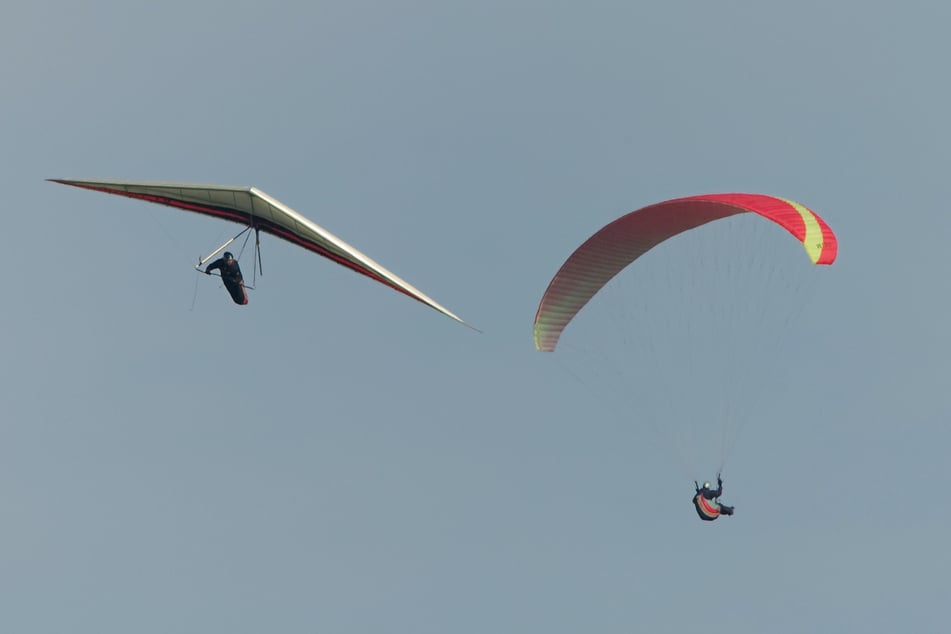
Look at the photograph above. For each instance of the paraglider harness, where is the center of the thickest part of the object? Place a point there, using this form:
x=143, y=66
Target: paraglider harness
x=707, y=502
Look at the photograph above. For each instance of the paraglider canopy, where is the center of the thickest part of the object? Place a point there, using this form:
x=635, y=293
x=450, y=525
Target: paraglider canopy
x=621, y=242
x=691, y=340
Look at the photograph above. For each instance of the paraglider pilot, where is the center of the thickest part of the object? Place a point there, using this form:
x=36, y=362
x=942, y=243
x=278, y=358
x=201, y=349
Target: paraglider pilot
x=707, y=501
x=231, y=276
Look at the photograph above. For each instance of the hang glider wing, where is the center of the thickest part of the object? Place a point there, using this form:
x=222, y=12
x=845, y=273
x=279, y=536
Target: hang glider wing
x=250, y=206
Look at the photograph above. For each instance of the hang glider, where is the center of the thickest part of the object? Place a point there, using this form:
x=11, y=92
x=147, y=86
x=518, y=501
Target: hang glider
x=251, y=207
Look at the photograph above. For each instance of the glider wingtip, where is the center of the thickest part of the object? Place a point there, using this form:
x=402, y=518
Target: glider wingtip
x=470, y=326
x=462, y=321
x=65, y=181
x=542, y=343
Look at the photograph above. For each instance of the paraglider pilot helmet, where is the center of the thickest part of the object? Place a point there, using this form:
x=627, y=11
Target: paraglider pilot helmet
x=228, y=255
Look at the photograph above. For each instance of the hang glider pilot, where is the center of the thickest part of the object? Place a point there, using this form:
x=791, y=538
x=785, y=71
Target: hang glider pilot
x=706, y=500
x=231, y=276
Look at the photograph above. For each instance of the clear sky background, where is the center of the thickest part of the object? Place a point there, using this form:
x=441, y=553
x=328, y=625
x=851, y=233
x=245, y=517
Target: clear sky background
x=338, y=458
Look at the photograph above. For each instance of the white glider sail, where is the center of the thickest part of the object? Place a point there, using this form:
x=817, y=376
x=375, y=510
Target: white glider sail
x=252, y=207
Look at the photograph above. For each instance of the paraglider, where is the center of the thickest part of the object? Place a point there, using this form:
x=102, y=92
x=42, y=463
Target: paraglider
x=706, y=500
x=256, y=210
x=678, y=359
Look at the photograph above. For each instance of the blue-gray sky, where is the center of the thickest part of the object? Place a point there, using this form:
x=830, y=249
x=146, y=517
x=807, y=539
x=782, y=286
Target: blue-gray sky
x=338, y=458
